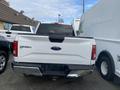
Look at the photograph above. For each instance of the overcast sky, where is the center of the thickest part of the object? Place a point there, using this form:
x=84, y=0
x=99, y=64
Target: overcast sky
x=48, y=10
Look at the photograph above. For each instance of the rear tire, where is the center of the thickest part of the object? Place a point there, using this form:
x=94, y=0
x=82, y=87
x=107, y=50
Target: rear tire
x=106, y=68
x=3, y=61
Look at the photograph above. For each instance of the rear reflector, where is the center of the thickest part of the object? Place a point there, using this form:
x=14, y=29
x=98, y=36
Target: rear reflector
x=15, y=48
x=93, y=57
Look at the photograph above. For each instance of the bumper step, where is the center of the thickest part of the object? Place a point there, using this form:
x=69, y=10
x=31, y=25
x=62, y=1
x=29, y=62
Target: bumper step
x=27, y=70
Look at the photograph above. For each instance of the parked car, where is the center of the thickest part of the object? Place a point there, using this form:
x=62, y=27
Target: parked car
x=102, y=23
x=5, y=49
x=18, y=29
x=54, y=51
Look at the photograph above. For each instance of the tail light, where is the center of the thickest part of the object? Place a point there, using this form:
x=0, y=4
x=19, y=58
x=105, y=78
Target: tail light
x=93, y=57
x=15, y=48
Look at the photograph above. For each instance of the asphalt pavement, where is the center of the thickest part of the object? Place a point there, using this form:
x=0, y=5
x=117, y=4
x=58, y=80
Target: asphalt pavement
x=12, y=81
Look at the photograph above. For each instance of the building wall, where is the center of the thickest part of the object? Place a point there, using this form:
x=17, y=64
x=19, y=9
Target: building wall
x=1, y=25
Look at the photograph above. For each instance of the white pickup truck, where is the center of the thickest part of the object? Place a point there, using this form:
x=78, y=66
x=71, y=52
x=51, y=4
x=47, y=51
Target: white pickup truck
x=17, y=29
x=55, y=51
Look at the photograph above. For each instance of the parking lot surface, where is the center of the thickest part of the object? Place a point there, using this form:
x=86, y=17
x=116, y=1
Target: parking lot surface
x=11, y=81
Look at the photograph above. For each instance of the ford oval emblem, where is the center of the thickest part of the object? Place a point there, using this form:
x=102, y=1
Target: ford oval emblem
x=55, y=48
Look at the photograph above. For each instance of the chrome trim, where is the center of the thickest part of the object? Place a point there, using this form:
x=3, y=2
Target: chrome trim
x=79, y=73
x=27, y=70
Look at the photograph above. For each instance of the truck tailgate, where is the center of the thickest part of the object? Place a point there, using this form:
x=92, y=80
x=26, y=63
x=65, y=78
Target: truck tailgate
x=39, y=49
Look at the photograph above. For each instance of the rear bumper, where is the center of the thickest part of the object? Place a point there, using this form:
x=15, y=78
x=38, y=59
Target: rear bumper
x=51, y=69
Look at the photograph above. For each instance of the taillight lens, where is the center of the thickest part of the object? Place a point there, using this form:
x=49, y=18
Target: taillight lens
x=93, y=57
x=15, y=48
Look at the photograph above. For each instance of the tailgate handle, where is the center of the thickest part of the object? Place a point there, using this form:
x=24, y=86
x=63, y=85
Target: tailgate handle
x=56, y=38
x=55, y=48
x=8, y=33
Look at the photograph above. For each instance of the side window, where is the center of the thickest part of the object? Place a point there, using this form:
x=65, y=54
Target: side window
x=20, y=28
x=7, y=26
x=15, y=28
x=26, y=29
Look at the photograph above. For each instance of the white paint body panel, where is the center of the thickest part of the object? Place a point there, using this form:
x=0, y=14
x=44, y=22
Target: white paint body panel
x=76, y=25
x=103, y=23
x=73, y=50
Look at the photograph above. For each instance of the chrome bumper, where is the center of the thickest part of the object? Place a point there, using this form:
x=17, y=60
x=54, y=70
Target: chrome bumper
x=27, y=70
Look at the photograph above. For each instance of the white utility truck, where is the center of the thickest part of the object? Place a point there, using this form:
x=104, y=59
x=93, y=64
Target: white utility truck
x=54, y=51
x=102, y=23
x=17, y=29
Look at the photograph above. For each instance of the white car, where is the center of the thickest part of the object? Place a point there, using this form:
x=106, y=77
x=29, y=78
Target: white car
x=102, y=23
x=55, y=51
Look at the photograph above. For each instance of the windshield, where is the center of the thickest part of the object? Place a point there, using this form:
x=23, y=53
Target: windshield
x=20, y=28
x=47, y=29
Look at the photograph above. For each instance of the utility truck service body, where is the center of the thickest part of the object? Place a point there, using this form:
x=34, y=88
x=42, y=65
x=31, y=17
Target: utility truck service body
x=103, y=23
x=53, y=52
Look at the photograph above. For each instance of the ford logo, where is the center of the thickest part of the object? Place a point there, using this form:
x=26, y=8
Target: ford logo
x=55, y=48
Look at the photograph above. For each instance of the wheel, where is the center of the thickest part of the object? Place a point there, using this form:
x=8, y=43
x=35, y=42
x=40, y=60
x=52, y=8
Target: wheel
x=106, y=68
x=3, y=61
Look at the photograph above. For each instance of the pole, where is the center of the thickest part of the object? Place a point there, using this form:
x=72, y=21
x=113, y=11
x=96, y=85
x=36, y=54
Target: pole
x=83, y=2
